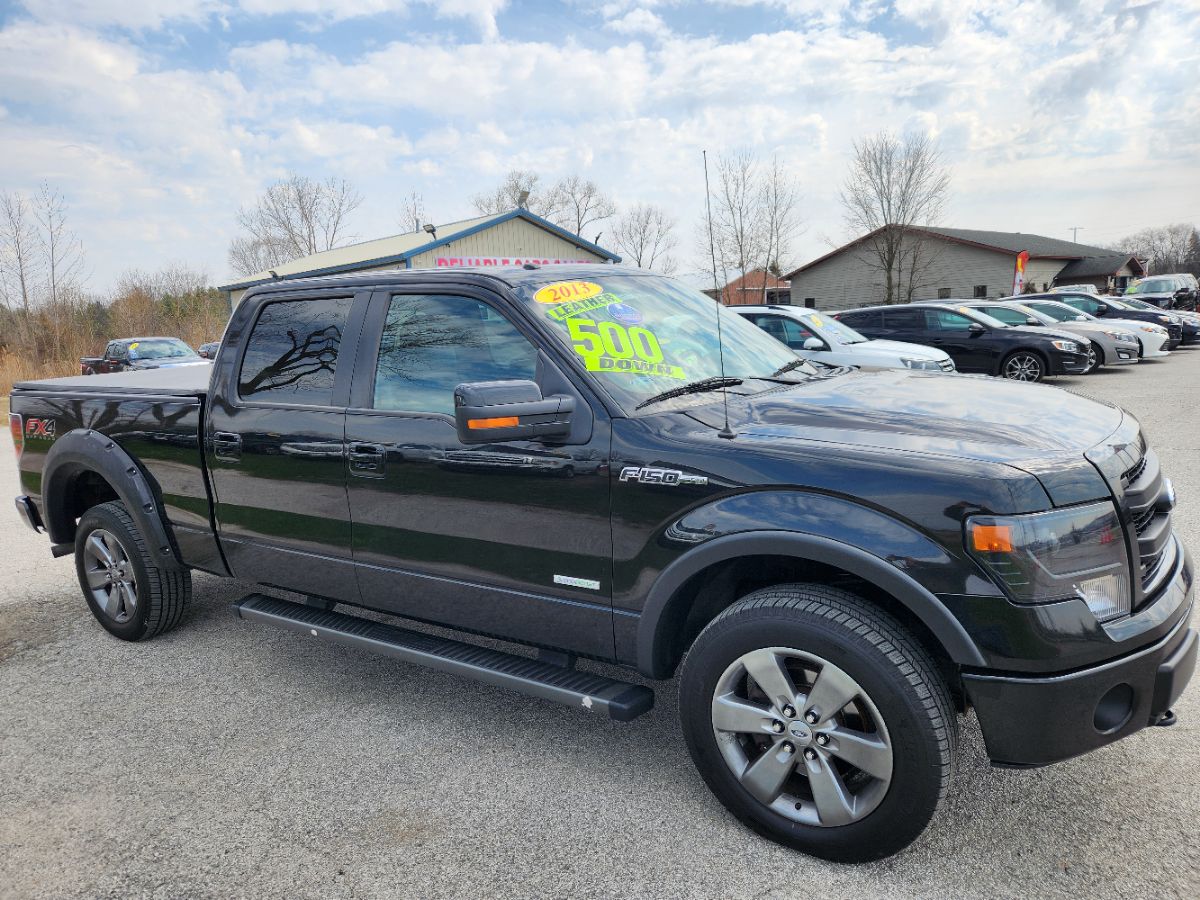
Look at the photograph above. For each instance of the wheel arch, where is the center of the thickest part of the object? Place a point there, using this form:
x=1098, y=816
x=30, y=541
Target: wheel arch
x=1034, y=351
x=676, y=606
x=85, y=467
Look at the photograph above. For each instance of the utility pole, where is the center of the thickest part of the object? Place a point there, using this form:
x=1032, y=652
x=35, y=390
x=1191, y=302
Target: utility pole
x=1075, y=233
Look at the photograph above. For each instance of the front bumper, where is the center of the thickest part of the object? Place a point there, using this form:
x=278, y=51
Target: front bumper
x=1069, y=363
x=1125, y=354
x=1035, y=721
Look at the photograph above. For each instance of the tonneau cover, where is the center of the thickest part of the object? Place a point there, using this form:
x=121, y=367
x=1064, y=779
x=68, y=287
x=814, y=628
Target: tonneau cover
x=184, y=381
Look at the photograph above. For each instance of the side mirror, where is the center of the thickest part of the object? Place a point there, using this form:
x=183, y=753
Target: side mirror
x=1032, y=321
x=1081, y=318
x=976, y=328
x=489, y=411
x=814, y=343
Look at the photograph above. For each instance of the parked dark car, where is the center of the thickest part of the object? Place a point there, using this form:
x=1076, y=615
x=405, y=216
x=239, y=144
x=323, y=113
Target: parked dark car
x=1111, y=307
x=209, y=350
x=1165, y=291
x=140, y=353
x=835, y=563
x=1188, y=321
x=975, y=341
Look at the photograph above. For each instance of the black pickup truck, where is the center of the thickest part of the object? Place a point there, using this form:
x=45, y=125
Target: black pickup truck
x=835, y=563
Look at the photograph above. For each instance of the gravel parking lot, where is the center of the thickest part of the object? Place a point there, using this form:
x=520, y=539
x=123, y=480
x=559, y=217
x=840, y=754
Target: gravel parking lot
x=231, y=759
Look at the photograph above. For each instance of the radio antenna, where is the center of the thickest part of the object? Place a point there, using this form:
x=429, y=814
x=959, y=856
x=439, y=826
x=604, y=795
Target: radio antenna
x=725, y=432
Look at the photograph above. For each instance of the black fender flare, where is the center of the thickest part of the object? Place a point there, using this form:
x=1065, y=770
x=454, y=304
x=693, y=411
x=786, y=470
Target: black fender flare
x=654, y=639
x=84, y=450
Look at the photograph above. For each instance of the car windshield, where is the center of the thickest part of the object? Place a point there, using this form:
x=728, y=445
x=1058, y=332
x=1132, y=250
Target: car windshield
x=640, y=335
x=159, y=348
x=828, y=327
x=1152, y=286
x=982, y=317
x=1135, y=303
x=1060, y=312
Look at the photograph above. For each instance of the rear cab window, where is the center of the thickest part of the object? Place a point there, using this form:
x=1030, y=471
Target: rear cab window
x=292, y=352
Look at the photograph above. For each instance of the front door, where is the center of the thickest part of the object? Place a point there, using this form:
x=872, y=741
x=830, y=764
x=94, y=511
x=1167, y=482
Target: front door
x=510, y=538
x=972, y=351
x=276, y=447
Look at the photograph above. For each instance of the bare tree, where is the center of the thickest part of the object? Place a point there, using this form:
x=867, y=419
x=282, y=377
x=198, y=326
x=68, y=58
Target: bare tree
x=780, y=212
x=62, y=251
x=578, y=203
x=1164, y=247
x=895, y=184
x=413, y=215
x=295, y=217
x=644, y=236
x=739, y=230
x=20, y=263
x=507, y=196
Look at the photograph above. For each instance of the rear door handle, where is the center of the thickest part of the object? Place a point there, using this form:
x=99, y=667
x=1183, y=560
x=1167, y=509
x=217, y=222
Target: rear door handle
x=227, y=445
x=366, y=460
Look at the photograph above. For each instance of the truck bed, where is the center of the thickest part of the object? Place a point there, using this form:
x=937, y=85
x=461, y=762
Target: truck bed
x=182, y=381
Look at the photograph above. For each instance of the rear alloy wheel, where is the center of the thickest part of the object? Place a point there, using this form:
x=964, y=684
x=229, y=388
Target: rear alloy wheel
x=1023, y=365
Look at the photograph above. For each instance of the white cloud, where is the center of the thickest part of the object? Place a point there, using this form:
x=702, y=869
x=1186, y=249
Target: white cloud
x=1046, y=125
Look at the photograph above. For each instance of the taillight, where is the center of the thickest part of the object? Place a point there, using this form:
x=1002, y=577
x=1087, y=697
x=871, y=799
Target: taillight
x=17, y=427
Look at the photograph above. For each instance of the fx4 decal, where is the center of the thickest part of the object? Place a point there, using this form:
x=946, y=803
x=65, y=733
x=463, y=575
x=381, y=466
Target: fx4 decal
x=651, y=475
x=39, y=428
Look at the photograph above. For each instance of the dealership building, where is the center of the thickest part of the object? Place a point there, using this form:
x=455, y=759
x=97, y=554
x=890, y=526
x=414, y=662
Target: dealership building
x=504, y=239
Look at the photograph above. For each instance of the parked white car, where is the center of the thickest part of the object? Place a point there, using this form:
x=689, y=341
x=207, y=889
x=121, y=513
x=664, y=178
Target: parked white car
x=1074, y=289
x=817, y=336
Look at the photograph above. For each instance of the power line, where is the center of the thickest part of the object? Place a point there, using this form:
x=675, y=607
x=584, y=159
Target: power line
x=1075, y=229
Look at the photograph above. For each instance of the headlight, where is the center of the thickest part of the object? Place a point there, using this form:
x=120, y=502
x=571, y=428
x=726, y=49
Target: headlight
x=1039, y=558
x=1153, y=329
x=1120, y=335
x=1068, y=346
x=1166, y=319
x=921, y=363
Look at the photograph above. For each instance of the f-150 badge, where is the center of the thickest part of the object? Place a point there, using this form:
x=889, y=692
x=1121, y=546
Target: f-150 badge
x=651, y=475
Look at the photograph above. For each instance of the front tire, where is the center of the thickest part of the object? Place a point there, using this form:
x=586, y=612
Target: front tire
x=127, y=593
x=1095, y=358
x=819, y=722
x=1023, y=365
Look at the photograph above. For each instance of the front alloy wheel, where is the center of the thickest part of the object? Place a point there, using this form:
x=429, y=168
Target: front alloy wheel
x=1024, y=366
x=802, y=736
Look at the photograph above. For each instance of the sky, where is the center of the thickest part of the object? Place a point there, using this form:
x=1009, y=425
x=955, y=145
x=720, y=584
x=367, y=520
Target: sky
x=157, y=121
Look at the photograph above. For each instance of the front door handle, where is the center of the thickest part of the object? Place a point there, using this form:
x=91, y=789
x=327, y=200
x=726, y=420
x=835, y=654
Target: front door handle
x=227, y=445
x=366, y=460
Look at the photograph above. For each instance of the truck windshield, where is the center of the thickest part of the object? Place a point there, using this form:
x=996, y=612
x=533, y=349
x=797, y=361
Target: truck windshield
x=640, y=335
x=159, y=348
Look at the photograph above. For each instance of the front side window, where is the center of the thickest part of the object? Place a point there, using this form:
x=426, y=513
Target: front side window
x=433, y=342
x=945, y=320
x=641, y=335
x=291, y=355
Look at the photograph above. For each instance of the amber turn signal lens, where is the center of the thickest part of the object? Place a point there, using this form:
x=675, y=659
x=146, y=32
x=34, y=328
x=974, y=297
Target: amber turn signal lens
x=992, y=538
x=502, y=422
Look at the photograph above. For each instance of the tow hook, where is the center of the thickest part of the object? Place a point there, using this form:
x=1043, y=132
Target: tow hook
x=1167, y=719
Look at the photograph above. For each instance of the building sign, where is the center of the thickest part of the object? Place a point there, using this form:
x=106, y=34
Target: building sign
x=444, y=262
x=1019, y=274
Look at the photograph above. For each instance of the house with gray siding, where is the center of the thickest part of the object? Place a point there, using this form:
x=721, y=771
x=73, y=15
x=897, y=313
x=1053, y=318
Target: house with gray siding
x=959, y=263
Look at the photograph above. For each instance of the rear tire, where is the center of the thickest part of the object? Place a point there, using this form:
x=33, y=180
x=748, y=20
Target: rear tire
x=129, y=595
x=864, y=779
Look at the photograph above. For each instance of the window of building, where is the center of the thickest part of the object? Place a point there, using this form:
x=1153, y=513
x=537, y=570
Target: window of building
x=980, y=291
x=943, y=293
x=291, y=355
x=810, y=302
x=432, y=343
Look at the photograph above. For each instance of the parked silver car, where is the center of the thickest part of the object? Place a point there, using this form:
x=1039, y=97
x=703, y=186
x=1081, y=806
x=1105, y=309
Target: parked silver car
x=1152, y=338
x=1108, y=345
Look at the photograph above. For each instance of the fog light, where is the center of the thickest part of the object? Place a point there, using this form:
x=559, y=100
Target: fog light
x=1114, y=709
x=1106, y=596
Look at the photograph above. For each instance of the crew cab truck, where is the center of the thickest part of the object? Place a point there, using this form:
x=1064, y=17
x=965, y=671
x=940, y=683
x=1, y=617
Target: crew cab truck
x=578, y=461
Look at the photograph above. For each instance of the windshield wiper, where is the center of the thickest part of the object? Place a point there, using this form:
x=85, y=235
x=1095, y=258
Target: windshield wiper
x=693, y=387
x=787, y=367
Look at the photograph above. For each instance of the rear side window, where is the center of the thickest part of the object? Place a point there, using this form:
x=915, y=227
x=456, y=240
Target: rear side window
x=944, y=320
x=871, y=318
x=907, y=319
x=433, y=343
x=291, y=355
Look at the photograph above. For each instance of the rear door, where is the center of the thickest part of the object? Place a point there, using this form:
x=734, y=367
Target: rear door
x=510, y=538
x=276, y=445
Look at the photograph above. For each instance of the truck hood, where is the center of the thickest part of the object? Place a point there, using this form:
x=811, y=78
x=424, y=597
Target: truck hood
x=964, y=416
